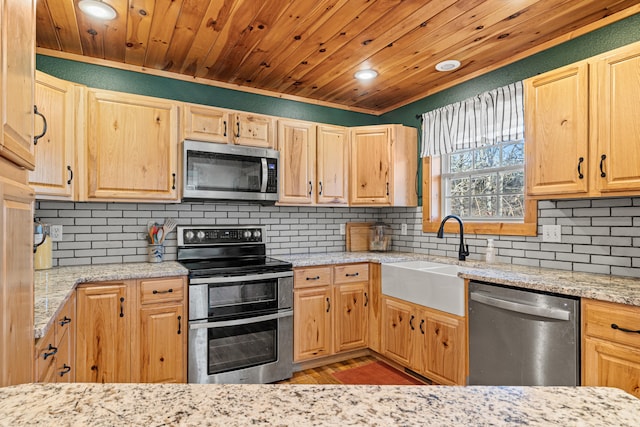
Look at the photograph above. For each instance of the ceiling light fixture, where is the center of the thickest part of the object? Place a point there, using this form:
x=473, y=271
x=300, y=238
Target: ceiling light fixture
x=448, y=65
x=97, y=9
x=366, y=74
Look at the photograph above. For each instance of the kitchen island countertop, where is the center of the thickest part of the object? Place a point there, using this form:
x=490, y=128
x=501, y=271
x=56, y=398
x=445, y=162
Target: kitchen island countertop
x=312, y=405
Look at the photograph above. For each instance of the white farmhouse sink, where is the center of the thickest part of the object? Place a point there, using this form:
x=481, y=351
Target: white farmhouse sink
x=430, y=284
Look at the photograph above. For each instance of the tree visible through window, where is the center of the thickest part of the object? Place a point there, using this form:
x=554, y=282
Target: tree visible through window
x=486, y=183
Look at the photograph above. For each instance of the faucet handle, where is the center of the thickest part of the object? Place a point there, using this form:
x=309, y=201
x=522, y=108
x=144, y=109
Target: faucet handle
x=466, y=250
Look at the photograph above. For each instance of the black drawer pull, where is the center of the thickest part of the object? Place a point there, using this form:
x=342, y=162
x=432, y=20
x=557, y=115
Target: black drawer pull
x=328, y=304
x=64, y=321
x=411, y=322
x=51, y=351
x=366, y=299
x=121, y=306
x=168, y=291
x=179, y=325
x=603, y=174
x=580, y=174
x=44, y=125
x=313, y=278
x=422, y=326
x=225, y=128
x=356, y=274
x=614, y=326
x=65, y=370
x=70, y=175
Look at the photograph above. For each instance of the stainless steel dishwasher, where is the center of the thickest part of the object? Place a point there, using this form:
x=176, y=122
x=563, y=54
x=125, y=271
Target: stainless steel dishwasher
x=522, y=337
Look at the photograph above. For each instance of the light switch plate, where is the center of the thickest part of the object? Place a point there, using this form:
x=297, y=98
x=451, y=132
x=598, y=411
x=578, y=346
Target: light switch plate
x=403, y=229
x=552, y=233
x=343, y=229
x=56, y=233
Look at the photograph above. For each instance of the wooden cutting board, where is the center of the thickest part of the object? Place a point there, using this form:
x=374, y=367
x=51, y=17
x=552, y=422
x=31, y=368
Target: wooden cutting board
x=358, y=236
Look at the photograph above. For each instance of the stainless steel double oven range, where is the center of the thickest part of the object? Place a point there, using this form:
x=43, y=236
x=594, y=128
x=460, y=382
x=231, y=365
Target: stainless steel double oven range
x=240, y=306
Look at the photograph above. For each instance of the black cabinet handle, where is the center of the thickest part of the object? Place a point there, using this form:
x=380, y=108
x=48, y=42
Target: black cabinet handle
x=168, y=291
x=602, y=159
x=64, y=321
x=225, y=128
x=310, y=187
x=387, y=188
x=422, y=326
x=173, y=186
x=366, y=299
x=320, y=188
x=328, y=304
x=44, y=128
x=238, y=134
x=352, y=274
x=313, y=278
x=50, y=351
x=580, y=160
x=179, y=325
x=121, y=306
x=411, y=322
x=70, y=175
x=632, y=331
x=65, y=369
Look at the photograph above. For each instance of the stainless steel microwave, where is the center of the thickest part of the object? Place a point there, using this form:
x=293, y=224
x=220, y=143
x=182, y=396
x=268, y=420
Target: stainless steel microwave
x=229, y=172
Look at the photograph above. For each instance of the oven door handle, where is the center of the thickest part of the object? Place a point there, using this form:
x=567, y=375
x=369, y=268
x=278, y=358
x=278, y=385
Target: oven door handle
x=246, y=321
x=249, y=278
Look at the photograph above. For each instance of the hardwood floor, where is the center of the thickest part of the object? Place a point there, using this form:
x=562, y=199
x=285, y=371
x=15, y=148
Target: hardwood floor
x=322, y=374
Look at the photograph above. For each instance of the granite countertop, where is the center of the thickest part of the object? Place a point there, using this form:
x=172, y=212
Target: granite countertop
x=619, y=289
x=312, y=405
x=53, y=287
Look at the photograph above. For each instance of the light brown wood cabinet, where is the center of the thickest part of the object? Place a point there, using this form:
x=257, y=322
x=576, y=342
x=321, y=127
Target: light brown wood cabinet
x=254, y=130
x=55, y=352
x=131, y=148
x=384, y=166
x=581, y=136
x=314, y=161
x=202, y=123
x=429, y=342
x=611, y=345
x=330, y=310
x=132, y=331
x=53, y=177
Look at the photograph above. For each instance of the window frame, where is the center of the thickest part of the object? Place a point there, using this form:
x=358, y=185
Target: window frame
x=432, y=209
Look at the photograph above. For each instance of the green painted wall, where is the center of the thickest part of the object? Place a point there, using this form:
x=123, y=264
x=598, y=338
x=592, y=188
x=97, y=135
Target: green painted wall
x=162, y=87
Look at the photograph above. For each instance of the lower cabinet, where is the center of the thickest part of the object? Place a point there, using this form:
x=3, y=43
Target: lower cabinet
x=611, y=345
x=330, y=310
x=131, y=331
x=430, y=342
x=55, y=352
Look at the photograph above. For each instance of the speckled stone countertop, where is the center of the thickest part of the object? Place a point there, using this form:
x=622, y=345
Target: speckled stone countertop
x=624, y=290
x=312, y=405
x=53, y=287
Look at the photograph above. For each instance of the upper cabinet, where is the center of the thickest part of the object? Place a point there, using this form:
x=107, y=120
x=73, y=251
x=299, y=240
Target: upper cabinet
x=254, y=130
x=384, y=164
x=203, y=123
x=55, y=152
x=314, y=161
x=17, y=64
x=582, y=130
x=131, y=148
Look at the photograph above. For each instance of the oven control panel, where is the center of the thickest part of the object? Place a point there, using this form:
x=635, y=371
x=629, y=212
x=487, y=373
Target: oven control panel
x=203, y=235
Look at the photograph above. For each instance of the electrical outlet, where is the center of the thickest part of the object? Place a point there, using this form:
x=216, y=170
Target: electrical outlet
x=343, y=229
x=403, y=229
x=552, y=233
x=56, y=233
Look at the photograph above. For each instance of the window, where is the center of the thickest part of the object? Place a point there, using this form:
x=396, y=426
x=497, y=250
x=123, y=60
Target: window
x=486, y=183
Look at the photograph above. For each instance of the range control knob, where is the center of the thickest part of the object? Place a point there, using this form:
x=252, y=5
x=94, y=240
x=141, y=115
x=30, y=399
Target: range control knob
x=256, y=234
x=246, y=234
x=200, y=235
x=189, y=235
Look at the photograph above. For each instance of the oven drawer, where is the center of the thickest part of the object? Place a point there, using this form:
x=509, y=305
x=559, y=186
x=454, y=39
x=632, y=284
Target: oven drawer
x=312, y=276
x=350, y=273
x=161, y=290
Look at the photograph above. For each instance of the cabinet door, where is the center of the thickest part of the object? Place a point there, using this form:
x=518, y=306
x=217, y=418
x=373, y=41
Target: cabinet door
x=443, y=353
x=370, y=165
x=312, y=324
x=16, y=276
x=557, y=131
x=351, y=316
x=103, y=340
x=253, y=130
x=131, y=147
x=332, y=165
x=611, y=365
x=17, y=64
x=205, y=124
x=618, y=121
x=398, y=326
x=162, y=344
x=297, y=146
x=54, y=153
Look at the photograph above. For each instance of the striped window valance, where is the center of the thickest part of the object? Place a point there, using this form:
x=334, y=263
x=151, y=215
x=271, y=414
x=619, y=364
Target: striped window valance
x=491, y=117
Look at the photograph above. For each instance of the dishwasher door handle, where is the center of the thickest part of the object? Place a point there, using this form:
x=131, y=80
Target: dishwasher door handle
x=550, y=313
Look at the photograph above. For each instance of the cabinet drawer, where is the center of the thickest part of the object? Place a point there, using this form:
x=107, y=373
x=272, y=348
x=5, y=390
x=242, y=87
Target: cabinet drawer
x=350, y=273
x=45, y=355
x=65, y=320
x=599, y=318
x=161, y=290
x=312, y=276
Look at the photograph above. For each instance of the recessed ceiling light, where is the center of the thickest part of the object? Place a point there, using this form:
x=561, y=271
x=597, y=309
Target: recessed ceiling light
x=448, y=65
x=366, y=74
x=97, y=9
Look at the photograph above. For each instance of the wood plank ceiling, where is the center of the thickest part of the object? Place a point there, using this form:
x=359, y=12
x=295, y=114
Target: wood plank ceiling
x=312, y=48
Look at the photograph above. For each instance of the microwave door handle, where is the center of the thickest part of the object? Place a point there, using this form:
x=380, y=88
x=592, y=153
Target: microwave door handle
x=265, y=175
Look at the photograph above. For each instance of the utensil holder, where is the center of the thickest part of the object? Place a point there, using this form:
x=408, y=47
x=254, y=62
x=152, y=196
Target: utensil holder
x=156, y=252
